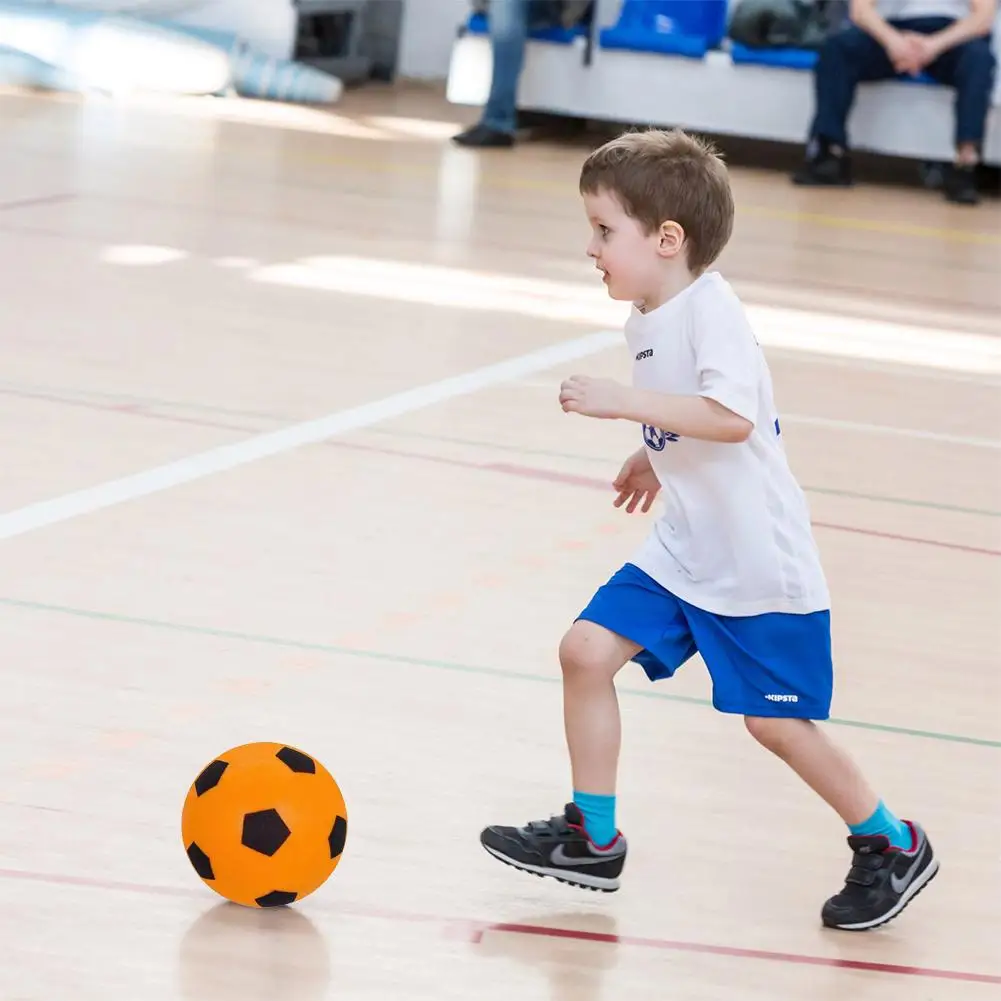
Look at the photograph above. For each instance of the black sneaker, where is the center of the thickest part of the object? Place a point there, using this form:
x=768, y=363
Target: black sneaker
x=882, y=881
x=559, y=847
x=484, y=137
x=960, y=185
x=825, y=167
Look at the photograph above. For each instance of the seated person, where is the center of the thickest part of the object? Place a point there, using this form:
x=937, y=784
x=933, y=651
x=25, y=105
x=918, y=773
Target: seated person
x=510, y=22
x=950, y=40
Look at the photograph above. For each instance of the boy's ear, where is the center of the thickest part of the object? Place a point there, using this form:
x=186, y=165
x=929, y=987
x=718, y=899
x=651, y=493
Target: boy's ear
x=671, y=239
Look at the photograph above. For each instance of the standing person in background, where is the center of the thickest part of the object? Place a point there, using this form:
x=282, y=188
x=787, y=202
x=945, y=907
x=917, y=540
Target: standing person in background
x=510, y=22
x=949, y=40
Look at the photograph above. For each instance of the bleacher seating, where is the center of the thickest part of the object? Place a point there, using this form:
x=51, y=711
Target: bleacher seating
x=669, y=62
x=671, y=27
x=790, y=59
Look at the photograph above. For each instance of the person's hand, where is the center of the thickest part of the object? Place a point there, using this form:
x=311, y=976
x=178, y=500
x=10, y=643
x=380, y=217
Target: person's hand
x=925, y=50
x=636, y=483
x=910, y=52
x=580, y=394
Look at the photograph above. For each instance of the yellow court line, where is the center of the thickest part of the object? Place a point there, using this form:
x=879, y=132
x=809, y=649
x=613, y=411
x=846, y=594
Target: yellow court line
x=876, y=225
x=501, y=182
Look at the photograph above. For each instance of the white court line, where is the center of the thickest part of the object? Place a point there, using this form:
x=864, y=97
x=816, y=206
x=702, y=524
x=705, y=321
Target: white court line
x=952, y=439
x=840, y=425
x=216, y=460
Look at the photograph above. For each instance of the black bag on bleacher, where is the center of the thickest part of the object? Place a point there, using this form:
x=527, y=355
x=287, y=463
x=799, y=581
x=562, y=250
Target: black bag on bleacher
x=785, y=24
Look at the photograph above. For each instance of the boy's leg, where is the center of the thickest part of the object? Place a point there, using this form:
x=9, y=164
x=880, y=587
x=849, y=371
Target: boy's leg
x=776, y=671
x=590, y=657
x=583, y=846
x=824, y=767
x=893, y=859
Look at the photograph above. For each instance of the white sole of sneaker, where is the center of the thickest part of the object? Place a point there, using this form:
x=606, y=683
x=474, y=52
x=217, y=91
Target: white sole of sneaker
x=572, y=878
x=909, y=894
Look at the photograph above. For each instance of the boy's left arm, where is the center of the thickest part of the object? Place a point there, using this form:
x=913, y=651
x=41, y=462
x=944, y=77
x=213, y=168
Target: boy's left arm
x=687, y=416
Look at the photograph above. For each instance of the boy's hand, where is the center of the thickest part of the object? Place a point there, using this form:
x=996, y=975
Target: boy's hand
x=636, y=483
x=580, y=394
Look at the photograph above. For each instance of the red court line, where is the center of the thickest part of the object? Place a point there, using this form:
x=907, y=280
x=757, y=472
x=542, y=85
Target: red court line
x=723, y=950
x=586, y=481
x=908, y=538
x=509, y=469
x=473, y=931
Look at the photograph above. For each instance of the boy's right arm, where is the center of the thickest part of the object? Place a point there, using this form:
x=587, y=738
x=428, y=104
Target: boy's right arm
x=636, y=483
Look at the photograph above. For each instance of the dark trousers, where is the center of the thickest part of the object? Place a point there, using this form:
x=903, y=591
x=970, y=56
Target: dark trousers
x=852, y=57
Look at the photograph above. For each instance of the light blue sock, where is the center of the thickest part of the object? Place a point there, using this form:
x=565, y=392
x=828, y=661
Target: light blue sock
x=599, y=816
x=884, y=822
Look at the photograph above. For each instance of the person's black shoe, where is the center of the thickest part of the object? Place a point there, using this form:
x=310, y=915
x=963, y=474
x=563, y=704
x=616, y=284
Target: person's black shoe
x=482, y=136
x=559, y=847
x=825, y=166
x=882, y=881
x=960, y=185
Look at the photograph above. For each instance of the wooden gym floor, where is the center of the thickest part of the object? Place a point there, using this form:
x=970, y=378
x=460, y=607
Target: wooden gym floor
x=386, y=588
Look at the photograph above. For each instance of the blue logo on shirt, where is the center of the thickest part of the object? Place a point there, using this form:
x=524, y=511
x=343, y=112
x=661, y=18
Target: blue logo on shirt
x=657, y=439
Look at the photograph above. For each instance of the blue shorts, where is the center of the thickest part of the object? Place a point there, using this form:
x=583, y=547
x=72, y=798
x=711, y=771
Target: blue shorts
x=777, y=664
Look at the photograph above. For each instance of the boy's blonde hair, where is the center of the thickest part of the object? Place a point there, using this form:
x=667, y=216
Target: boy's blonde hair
x=667, y=175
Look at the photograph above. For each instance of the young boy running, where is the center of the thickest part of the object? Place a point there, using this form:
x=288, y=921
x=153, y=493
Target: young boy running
x=730, y=569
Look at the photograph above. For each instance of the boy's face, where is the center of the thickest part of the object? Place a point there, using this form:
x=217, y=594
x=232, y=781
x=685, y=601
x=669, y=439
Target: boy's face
x=630, y=260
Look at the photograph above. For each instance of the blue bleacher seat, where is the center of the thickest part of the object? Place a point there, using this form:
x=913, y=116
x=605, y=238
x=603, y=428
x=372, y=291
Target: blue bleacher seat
x=558, y=35
x=793, y=59
x=674, y=27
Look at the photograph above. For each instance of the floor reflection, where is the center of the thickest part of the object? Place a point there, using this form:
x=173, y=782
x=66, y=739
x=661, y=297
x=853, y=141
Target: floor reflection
x=234, y=953
x=574, y=965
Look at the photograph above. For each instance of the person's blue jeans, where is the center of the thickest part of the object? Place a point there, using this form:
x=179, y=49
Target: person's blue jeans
x=510, y=22
x=852, y=57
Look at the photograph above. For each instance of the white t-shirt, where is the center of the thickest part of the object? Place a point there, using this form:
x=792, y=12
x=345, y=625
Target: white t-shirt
x=734, y=537
x=907, y=9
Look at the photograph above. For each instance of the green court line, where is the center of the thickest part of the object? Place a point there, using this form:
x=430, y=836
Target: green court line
x=442, y=665
x=904, y=501
x=829, y=491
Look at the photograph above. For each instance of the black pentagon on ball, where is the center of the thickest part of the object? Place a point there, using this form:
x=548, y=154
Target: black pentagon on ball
x=276, y=898
x=200, y=861
x=338, y=835
x=264, y=832
x=209, y=779
x=296, y=760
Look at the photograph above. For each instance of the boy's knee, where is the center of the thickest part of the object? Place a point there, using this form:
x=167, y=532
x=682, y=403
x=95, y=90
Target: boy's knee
x=772, y=732
x=589, y=652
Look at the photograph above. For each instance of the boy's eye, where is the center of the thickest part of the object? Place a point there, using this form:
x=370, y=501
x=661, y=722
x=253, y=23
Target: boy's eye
x=604, y=230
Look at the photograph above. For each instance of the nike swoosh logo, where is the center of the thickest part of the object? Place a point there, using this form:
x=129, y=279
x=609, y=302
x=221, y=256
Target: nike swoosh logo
x=560, y=857
x=900, y=883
